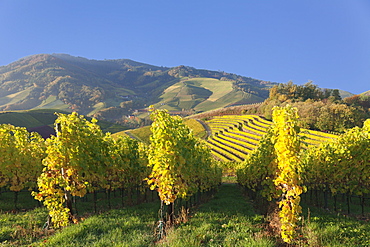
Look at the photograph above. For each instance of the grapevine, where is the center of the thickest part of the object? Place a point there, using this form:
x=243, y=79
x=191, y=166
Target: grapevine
x=274, y=168
x=342, y=164
x=181, y=164
x=288, y=181
x=77, y=160
x=21, y=154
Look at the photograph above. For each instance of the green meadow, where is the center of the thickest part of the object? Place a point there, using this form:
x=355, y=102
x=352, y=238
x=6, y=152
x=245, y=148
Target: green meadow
x=202, y=94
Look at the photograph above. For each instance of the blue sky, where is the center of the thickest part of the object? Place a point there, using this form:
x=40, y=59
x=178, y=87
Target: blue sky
x=327, y=42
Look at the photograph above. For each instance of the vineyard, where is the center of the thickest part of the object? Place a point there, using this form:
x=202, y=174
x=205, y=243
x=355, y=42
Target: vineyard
x=278, y=165
x=235, y=136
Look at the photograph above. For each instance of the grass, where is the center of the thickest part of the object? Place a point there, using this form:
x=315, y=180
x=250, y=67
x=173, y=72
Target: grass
x=121, y=133
x=22, y=228
x=143, y=133
x=219, y=103
x=323, y=228
x=19, y=119
x=53, y=103
x=97, y=107
x=41, y=117
x=15, y=97
x=196, y=127
x=217, y=87
x=229, y=220
x=132, y=226
x=226, y=220
x=202, y=94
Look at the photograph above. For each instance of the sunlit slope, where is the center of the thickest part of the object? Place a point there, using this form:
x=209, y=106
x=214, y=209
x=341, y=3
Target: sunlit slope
x=21, y=98
x=235, y=136
x=143, y=134
x=15, y=97
x=203, y=94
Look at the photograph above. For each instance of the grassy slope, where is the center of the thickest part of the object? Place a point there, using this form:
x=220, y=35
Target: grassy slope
x=196, y=127
x=41, y=117
x=144, y=133
x=218, y=88
x=19, y=119
x=226, y=220
x=50, y=103
x=15, y=97
x=97, y=107
x=53, y=103
x=202, y=94
x=345, y=94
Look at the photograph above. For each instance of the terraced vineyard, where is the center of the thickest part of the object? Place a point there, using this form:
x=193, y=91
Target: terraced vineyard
x=235, y=136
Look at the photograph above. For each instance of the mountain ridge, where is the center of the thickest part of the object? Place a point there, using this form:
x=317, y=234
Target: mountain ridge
x=113, y=88
x=96, y=86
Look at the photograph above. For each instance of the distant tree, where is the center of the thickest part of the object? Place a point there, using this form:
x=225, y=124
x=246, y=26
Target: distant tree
x=289, y=91
x=352, y=100
x=358, y=100
x=335, y=93
x=327, y=93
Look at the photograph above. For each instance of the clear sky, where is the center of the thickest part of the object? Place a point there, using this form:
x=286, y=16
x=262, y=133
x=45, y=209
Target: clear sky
x=327, y=41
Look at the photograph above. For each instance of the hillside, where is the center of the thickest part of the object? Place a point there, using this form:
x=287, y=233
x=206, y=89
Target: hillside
x=42, y=121
x=203, y=94
x=367, y=93
x=110, y=89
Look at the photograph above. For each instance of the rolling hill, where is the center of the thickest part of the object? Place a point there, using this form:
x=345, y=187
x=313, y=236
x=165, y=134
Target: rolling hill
x=42, y=121
x=203, y=94
x=114, y=89
x=110, y=89
x=367, y=93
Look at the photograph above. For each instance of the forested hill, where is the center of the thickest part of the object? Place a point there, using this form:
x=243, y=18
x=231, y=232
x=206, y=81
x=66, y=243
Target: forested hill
x=111, y=88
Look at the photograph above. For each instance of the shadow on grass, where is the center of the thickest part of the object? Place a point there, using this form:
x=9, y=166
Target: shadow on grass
x=132, y=226
x=321, y=227
x=226, y=220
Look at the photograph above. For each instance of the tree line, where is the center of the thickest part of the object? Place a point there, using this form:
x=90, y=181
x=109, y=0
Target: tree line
x=319, y=109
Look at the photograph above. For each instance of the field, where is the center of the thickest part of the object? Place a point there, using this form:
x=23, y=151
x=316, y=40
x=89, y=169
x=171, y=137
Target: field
x=234, y=137
x=15, y=97
x=53, y=103
x=142, y=134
